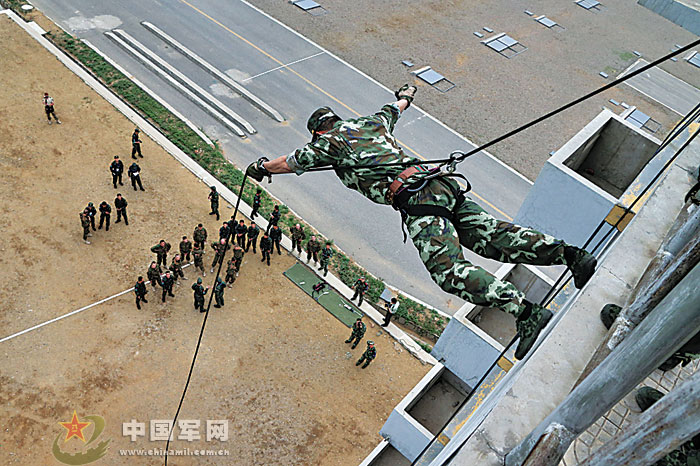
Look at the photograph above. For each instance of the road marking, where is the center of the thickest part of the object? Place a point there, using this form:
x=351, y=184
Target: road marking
x=315, y=86
x=283, y=66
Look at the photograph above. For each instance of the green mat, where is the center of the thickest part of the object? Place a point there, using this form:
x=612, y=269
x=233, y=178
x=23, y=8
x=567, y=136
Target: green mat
x=330, y=299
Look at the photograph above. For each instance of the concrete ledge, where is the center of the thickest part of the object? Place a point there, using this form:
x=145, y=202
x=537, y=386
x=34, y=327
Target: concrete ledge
x=185, y=81
x=150, y=92
x=206, y=66
x=186, y=92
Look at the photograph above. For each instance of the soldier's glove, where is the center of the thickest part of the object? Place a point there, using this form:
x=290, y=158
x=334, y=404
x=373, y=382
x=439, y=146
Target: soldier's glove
x=257, y=171
x=692, y=193
x=407, y=93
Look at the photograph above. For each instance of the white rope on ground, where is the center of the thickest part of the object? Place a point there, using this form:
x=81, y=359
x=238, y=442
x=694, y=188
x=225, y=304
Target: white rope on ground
x=77, y=311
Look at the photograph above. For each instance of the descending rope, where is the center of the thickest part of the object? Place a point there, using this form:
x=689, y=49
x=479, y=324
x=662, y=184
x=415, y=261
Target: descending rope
x=204, y=324
x=455, y=158
x=693, y=115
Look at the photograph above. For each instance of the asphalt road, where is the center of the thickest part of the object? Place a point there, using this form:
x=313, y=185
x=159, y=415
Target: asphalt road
x=664, y=88
x=295, y=76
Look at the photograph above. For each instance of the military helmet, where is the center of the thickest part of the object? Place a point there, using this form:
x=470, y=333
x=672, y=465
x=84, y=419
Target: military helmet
x=199, y=280
x=89, y=204
x=319, y=117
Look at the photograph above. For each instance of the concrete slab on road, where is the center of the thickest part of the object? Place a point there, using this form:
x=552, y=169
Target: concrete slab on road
x=296, y=76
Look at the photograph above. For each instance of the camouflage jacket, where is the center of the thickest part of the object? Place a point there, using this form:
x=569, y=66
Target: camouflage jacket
x=238, y=253
x=214, y=197
x=297, y=234
x=231, y=266
x=84, y=220
x=370, y=353
x=185, y=247
x=166, y=282
x=219, y=287
x=140, y=289
x=362, y=142
x=313, y=246
x=361, y=285
x=197, y=254
x=326, y=254
x=265, y=244
x=241, y=230
x=154, y=274
x=199, y=291
x=219, y=248
x=161, y=250
x=200, y=235
x=176, y=265
x=359, y=329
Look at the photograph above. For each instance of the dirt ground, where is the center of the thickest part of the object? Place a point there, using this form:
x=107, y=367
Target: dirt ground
x=272, y=362
x=493, y=94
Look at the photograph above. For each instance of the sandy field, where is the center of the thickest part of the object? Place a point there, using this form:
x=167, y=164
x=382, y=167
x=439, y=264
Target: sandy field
x=272, y=362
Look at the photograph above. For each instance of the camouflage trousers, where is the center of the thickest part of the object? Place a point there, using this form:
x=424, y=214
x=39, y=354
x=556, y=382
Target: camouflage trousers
x=439, y=243
x=355, y=338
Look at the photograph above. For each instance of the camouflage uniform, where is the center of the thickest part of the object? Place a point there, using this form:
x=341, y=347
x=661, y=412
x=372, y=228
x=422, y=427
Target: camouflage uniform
x=687, y=454
x=219, y=288
x=199, y=292
x=358, y=331
x=312, y=249
x=214, y=200
x=368, y=141
x=256, y=205
x=219, y=254
x=276, y=237
x=238, y=254
x=176, y=268
x=230, y=272
x=198, y=256
x=298, y=236
x=200, y=237
x=161, y=251
x=153, y=274
x=185, y=250
x=326, y=255
x=361, y=286
x=85, y=222
x=368, y=356
x=265, y=248
x=253, y=232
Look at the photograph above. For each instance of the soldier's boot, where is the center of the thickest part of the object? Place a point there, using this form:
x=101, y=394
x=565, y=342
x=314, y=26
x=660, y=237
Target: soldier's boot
x=58, y=121
x=530, y=323
x=647, y=396
x=609, y=314
x=365, y=364
x=348, y=340
x=86, y=241
x=581, y=263
x=355, y=345
x=171, y=294
x=358, y=362
x=359, y=303
x=263, y=259
x=268, y=261
x=217, y=306
x=144, y=300
x=325, y=272
x=138, y=306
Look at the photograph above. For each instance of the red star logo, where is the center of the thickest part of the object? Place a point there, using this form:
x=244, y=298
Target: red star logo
x=75, y=428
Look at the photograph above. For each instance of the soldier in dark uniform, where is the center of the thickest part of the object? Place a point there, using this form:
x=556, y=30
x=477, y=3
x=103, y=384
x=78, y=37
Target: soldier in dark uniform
x=318, y=288
x=85, y=222
x=199, y=293
x=241, y=231
x=91, y=211
x=167, y=282
x=105, y=214
x=225, y=231
x=312, y=249
x=276, y=237
x=185, y=249
x=368, y=356
x=274, y=217
x=176, y=268
x=253, y=232
x=219, y=288
x=135, y=144
x=326, y=255
x=231, y=272
x=117, y=168
x=120, y=204
x=154, y=272
x=161, y=249
x=361, y=287
x=135, y=175
x=298, y=235
x=256, y=203
x=140, y=292
x=265, y=248
x=358, y=332
x=214, y=200
x=200, y=236
x=197, y=255
x=220, y=249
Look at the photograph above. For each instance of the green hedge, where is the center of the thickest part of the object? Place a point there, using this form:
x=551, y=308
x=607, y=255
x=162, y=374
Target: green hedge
x=212, y=159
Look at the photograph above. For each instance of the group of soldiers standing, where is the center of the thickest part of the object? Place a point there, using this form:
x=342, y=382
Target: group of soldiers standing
x=87, y=216
x=358, y=332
